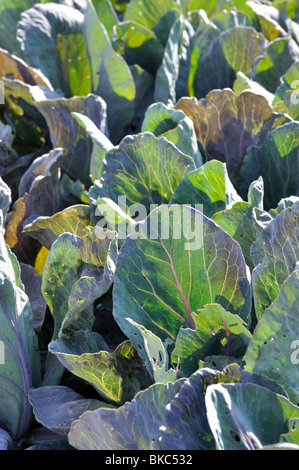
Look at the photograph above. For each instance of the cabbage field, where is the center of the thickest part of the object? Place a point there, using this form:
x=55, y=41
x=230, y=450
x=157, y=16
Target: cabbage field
x=149, y=226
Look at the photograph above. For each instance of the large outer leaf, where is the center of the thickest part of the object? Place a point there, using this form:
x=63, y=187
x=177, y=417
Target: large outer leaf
x=279, y=55
x=73, y=219
x=52, y=41
x=173, y=124
x=160, y=281
x=39, y=196
x=6, y=442
x=9, y=17
x=247, y=416
x=270, y=350
x=5, y=198
x=133, y=426
x=101, y=144
x=216, y=332
x=57, y=406
x=157, y=357
x=117, y=375
x=20, y=108
x=168, y=72
x=78, y=271
x=280, y=243
x=12, y=66
x=20, y=361
x=138, y=45
x=286, y=96
x=243, y=83
x=234, y=50
x=227, y=124
x=239, y=222
x=145, y=169
x=277, y=161
x=110, y=74
x=66, y=132
x=148, y=12
x=106, y=13
x=209, y=186
x=163, y=417
x=32, y=281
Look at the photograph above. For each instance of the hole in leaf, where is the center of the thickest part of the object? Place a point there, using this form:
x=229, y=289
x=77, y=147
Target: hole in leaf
x=235, y=436
x=294, y=426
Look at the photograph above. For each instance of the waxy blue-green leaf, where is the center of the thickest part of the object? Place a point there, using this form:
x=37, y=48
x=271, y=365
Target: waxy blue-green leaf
x=243, y=83
x=5, y=198
x=165, y=273
x=145, y=169
x=148, y=12
x=168, y=72
x=234, y=50
x=110, y=74
x=138, y=45
x=19, y=356
x=6, y=442
x=164, y=417
x=9, y=17
x=116, y=375
x=216, y=332
x=280, y=245
x=242, y=220
x=276, y=159
x=272, y=349
x=32, y=282
x=278, y=56
x=173, y=124
x=204, y=35
x=106, y=14
x=187, y=427
x=85, y=268
x=57, y=406
x=291, y=437
x=209, y=186
x=286, y=98
x=43, y=439
x=155, y=354
x=101, y=144
x=289, y=7
x=67, y=133
x=51, y=38
x=145, y=85
x=133, y=426
x=213, y=7
x=246, y=416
